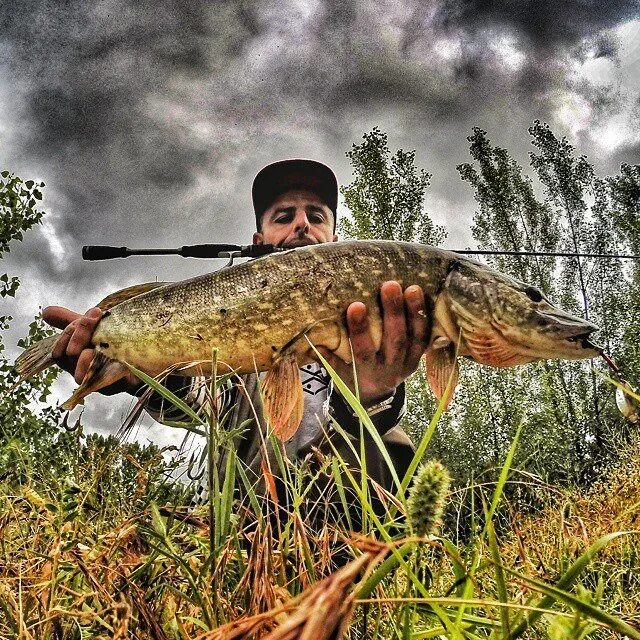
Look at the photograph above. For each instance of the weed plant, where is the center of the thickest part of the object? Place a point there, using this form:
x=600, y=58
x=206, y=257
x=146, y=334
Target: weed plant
x=117, y=550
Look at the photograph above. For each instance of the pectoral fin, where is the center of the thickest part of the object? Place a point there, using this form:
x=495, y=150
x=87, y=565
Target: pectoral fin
x=283, y=396
x=441, y=366
x=102, y=372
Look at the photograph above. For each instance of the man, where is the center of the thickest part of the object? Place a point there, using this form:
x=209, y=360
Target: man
x=295, y=204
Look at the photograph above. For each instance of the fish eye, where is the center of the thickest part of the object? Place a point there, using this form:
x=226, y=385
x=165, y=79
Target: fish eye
x=533, y=294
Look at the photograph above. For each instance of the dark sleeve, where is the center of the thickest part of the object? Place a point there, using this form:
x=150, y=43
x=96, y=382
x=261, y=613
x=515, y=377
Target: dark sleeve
x=384, y=417
x=191, y=390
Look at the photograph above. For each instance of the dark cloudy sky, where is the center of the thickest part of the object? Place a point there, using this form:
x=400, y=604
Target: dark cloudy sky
x=148, y=119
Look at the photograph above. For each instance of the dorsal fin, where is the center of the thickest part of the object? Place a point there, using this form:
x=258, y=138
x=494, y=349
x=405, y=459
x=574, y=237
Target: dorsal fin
x=130, y=292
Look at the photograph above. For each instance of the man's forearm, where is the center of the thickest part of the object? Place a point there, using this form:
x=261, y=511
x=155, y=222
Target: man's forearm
x=384, y=414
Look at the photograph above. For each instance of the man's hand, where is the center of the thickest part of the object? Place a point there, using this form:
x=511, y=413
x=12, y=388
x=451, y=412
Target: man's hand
x=73, y=350
x=406, y=329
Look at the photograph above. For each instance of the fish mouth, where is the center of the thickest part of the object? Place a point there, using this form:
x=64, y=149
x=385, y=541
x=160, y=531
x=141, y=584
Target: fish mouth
x=585, y=341
x=574, y=332
x=580, y=336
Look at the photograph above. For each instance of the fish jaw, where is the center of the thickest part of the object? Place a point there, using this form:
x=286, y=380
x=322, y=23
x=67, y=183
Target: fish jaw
x=501, y=325
x=554, y=337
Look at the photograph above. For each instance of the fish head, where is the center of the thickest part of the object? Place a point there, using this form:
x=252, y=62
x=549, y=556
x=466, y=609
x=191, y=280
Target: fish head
x=502, y=322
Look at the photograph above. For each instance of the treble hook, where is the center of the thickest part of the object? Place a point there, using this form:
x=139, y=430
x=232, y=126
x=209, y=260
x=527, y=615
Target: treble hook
x=65, y=422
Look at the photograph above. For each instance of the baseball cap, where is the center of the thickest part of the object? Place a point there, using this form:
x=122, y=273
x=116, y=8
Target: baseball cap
x=286, y=175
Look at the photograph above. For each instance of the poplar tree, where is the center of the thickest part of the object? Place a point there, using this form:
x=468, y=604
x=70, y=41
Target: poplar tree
x=623, y=192
x=569, y=410
x=572, y=424
x=386, y=197
x=510, y=218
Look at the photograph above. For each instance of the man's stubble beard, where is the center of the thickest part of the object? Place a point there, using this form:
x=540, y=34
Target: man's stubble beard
x=299, y=241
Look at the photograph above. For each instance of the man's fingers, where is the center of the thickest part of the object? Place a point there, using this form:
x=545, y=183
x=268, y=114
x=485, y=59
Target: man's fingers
x=84, y=328
x=394, y=324
x=84, y=360
x=59, y=317
x=60, y=347
x=418, y=324
x=358, y=329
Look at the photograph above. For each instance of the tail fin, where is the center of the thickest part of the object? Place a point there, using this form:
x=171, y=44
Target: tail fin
x=102, y=372
x=35, y=359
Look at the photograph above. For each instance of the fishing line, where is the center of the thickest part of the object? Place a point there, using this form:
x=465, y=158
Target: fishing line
x=551, y=254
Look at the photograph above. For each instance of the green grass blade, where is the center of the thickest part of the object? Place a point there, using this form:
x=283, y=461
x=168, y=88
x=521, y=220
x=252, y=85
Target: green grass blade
x=337, y=478
x=504, y=475
x=386, y=567
x=165, y=393
x=228, y=488
x=555, y=594
x=422, y=446
x=362, y=414
x=566, y=580
x=250, y=491
x=500, y=579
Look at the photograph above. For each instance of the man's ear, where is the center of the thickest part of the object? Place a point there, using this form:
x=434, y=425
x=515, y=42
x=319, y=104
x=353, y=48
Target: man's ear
x=258, y=238
x=335, y=239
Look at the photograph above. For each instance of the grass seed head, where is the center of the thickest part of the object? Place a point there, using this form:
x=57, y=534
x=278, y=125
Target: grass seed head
x=427, y=497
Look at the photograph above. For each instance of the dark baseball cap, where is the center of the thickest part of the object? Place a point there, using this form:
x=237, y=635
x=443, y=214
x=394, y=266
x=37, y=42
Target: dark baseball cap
x=287, y=175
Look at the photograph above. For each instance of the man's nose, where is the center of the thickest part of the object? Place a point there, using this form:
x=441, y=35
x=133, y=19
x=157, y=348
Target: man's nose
x=301, y=220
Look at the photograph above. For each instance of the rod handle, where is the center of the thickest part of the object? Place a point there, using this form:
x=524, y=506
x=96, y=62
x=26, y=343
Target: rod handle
x=205, y=250
x=101, y=252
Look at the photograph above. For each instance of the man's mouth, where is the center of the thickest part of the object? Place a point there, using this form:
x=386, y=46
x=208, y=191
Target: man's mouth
x=298, y=242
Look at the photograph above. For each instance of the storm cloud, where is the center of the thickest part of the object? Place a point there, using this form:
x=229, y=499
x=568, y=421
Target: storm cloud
x=147, y=120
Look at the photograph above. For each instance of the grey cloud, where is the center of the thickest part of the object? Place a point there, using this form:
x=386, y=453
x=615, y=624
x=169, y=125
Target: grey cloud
x=544, y=25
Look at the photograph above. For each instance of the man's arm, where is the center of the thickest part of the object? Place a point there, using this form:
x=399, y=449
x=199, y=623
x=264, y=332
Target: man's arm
x=406, y=331
x=385, y=415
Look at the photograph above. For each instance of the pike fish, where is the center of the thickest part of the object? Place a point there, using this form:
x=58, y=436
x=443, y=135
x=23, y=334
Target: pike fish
x=263, y=315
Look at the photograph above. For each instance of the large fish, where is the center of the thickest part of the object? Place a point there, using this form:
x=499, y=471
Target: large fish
x=263, y=315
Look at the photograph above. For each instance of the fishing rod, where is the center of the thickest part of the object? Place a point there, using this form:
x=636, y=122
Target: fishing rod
x=231, y=251
x=102, y=252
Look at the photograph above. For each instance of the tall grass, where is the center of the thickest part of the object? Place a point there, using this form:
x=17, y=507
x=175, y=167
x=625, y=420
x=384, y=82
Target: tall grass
x=84, y=559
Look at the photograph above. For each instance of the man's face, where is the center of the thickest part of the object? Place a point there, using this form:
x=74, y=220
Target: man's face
x=296, y=219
